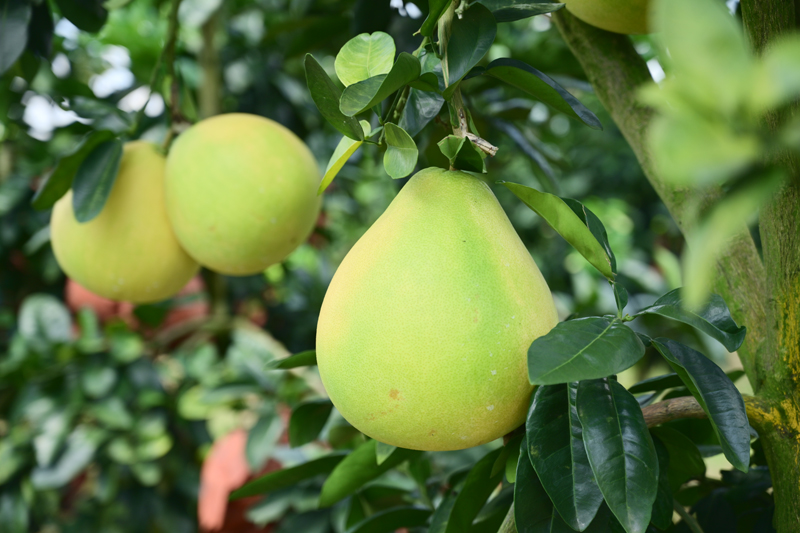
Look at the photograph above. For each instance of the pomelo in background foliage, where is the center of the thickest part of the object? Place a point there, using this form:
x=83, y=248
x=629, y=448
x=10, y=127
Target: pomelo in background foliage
x=128, y=252
x=423, y=335
x=619, y=16
x=241, y=192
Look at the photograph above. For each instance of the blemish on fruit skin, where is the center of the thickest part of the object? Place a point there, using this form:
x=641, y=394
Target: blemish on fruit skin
x=394, y=394
x=490, y=407
x=432, y=433
x=494, y=372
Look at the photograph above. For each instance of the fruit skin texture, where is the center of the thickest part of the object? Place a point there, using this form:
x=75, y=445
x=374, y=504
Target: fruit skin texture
x=241, y=192
x=619, y=16
x=128, y=252
x=423, y=335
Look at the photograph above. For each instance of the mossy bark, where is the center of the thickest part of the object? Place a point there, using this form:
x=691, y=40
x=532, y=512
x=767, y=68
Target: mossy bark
x=763, y=294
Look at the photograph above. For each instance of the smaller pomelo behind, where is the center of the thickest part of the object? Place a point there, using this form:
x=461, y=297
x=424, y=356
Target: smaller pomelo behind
x=241, y=192
x=128, y=252
x=620, y=16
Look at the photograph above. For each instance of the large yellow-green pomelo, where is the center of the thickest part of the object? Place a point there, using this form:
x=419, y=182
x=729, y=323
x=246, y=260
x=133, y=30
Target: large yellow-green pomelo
x=241, y=192
x=423, y=334
x=620, y=16
x=128, y=252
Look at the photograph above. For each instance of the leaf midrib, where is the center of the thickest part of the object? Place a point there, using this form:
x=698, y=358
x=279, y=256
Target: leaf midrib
x=581, y=351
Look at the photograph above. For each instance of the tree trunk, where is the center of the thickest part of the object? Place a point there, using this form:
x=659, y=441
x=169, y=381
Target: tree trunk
x=763, y=295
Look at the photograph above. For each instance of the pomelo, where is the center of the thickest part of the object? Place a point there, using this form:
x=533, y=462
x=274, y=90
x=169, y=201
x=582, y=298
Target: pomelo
x=128, y=252
x=241, y=192
x=423, y=335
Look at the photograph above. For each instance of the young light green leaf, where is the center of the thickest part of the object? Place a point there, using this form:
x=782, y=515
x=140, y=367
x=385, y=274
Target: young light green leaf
x=95, y=178
x=289, y=476
x=556, y=450
x=401, y=152
x=716, y=394
x=620, y=450
x=383, y=451
x=364, y=56
x=358, y=468
x=542, y=87
x=14, y=18
x=436, y=9
x=307, y=421
x=713, y=319
x=307, y=358
x=560, y=216
x=471, y=38
x=511, y=10
x=326, y=96
x=450, y=146
x=361, y=96
x=344, y=150
x=585, y=348
x=393, y=519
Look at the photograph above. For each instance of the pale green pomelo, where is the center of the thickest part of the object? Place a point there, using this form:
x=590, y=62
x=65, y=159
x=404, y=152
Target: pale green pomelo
x=620, y=16
x=128, y=252
x=423, y=334
x=241, y=192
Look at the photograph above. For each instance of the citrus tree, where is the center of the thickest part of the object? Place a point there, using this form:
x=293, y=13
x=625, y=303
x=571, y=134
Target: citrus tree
x=560, y=442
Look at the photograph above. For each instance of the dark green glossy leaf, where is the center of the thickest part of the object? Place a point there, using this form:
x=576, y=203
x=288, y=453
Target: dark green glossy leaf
x=532, y=506
x=392, y=519
x=307, y=358
x=14, y=18
x=401, y=152
x=307, y=421
x=560, y=216
x=436, y=9
x=478, y=486
x=40, y=31
x=511, y=10
x=87, y=15
x=471, y=38
x=541, y=87
x=326, y=96
x=95, y=178
x=585, y=348
x=289, y=476
x=662, y=508
x=685, y=460
x=620, y=450
x=595, y=227
x=421, y=108
x=383, y=451
x=716, y=394
x=361, y=96
x=555, y=448
x=713, y=319
x=358, y=468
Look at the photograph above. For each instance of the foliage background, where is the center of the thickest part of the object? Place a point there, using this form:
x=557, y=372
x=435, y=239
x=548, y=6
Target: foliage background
x=105, y=429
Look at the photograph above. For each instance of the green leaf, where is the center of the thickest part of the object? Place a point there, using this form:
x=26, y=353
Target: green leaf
x=595, y=226
x=556, y=450
x=358, y=468
x=716, y=394
x=421, y=108
x=261, y=440
x=361, y=96
x=87, y=15
x=585, y=348
x=512, y=10
x=685, y=460
x=620, y=296
x=401, y=152
x=620, y=450
x=307, y=421
x=44, y=319
x=40, y=31
x=658, y=383
x=560, y=216
x=14, y=512
x=662, y=508
x=713, y=319
x=307, y=358
x=97, y=380
x=346, y=148
x=470, y=158
x=14, y=18
x=11, y=460
x=471, y=38
x=478, y=486
x=365, y=56
x=532, y=507
x=79, y=452
x=95, y=179
x=392, y=519
x=383, y=451
x=450, y=146
x=541, y=87
x=326, y=96
x=436, y=9
x=289, y=476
